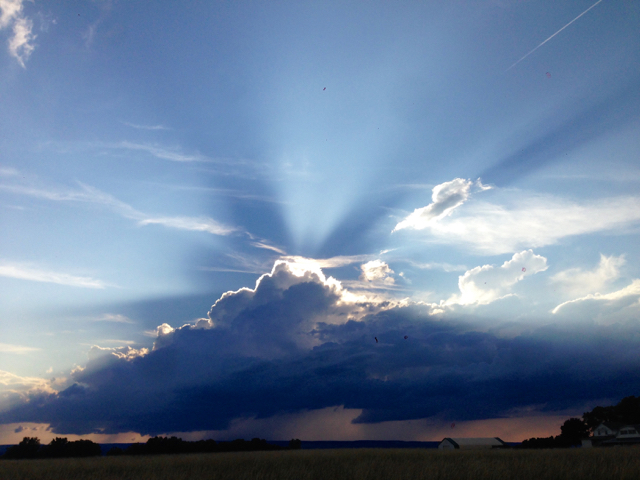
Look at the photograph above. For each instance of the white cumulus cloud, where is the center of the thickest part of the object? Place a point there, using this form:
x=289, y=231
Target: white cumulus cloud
x=14, y=389
x=485, y=284
x=630, y=293
x=577, y=281
x=376, y=271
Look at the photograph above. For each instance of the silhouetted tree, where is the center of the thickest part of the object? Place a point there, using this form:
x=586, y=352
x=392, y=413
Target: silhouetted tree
x=82, y=448
x=57, y=447
x=27, y=448
x=295, y=444
x=164, y=445
x=548, y=442
x=573, y=431
x=626, y=411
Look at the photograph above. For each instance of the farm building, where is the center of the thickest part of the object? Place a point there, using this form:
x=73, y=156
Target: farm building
x=610, y=434
x=471, y=443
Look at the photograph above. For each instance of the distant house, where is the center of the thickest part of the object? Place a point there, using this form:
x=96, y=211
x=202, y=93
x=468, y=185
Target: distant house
x=471, y=443
x=609, y=434
x=607, y=429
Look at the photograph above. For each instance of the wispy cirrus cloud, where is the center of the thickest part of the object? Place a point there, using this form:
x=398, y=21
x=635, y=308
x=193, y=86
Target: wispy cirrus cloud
x=21, y=42
x=161, y=152
x=93, y=195
x=8, y=172
x=28, y=272
x=146, y=127
x=113, y=317
x=266, y=246
x=198, y=224
x=332, y=262
x=447, y=267
x=17, y=349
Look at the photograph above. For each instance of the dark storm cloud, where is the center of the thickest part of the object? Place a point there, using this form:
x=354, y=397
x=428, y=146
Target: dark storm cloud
x=278, y=349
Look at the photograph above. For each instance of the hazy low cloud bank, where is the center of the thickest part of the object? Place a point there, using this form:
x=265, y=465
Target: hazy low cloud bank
x=299, y=341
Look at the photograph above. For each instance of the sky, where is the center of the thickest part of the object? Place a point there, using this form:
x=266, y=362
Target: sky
x=317, y=220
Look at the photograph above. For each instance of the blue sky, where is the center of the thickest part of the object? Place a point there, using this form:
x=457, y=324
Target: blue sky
x=325, y=174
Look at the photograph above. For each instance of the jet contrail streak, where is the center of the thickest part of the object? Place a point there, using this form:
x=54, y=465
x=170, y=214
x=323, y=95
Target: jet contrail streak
x=553, y=35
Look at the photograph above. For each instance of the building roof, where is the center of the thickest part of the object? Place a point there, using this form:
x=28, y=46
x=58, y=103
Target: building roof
x=612, y=425
x=636, y=426
x=482, y=441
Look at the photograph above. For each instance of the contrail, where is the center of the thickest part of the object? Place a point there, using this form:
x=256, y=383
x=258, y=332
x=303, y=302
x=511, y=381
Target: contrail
x=553, y=35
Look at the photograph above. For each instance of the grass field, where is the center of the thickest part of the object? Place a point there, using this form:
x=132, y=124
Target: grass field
x=373, y=464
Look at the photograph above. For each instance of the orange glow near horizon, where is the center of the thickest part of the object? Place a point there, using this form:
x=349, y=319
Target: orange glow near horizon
x=332, y=423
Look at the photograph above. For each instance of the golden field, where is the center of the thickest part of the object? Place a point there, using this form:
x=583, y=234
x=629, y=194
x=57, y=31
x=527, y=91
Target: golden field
x=356, y=464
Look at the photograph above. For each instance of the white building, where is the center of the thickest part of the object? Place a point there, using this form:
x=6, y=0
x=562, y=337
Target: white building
x=471, y=443
x=611, y=433
x=607, y=429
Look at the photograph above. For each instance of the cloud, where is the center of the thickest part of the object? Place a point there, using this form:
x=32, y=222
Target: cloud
x=530, y=222
x=278, y=315
x=93, y=195
x=322, y=263
x=577, y=281
x=9, y=10
x=447, y=267
x=446, y=197
x=15, y=390
x=266, y=246
x=376, y=271
x=297, y=342
x=163, y=153
x=146, y=127
x=8, y=172
x=21, y=43
x=21, y=46
x=615, y=300
x=111, y=317
x=486, y=284
x=200, y=224
x=19, y=349
x=26, y=272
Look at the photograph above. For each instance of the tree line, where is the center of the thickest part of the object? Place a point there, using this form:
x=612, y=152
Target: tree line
x=30, y=447
x=573, y=430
